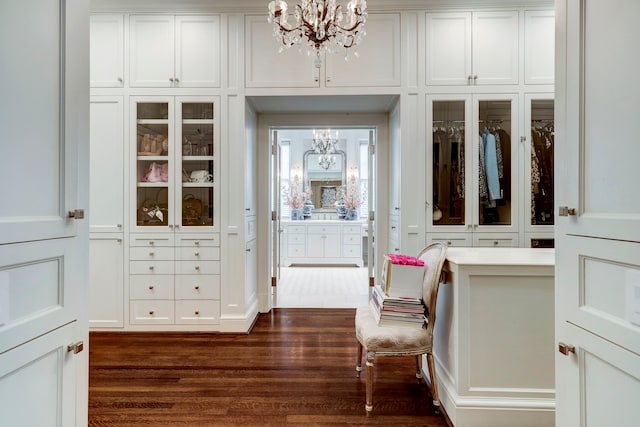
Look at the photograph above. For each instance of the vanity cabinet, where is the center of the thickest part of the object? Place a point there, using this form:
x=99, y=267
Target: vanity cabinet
x=472, y=48
x=174, y=51
x=322, y=242
x=377, y=63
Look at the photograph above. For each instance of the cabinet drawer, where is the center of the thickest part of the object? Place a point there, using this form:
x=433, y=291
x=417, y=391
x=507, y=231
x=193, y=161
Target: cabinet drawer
x=351, y=251
x=291, y=229
x=293, y=239
x=351, y=239
x=323, y=229
x=149, y=312
x=352, y=229
x=198, y=253
x=198, y=267
x=197, y=311
x=150, y=240
x=205, y=286
x=453, y=240
x=295, y=251
x=151, y=253
x=209, y=239
x=151, y=267
x=151, y=287
x=496, y=242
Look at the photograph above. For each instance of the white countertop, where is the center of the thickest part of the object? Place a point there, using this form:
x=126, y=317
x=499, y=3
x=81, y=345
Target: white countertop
x=501, y=256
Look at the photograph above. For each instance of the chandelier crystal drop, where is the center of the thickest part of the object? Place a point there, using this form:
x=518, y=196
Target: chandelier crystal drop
x=319, y=25
x=326, y=145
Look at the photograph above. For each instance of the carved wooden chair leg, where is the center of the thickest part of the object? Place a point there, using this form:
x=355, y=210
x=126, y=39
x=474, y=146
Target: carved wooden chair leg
x=359, y=363
x=419, y=368
x=369, y=404
x=434, y=385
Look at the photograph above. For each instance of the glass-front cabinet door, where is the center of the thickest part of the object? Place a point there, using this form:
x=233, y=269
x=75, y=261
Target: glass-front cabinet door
x=175, y=154
x=472, y=157
x=539, y=152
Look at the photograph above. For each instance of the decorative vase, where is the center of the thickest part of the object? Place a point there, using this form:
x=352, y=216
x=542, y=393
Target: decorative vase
x=341, y=209
x=307, y=209
x=297, y=214
x=352, y=214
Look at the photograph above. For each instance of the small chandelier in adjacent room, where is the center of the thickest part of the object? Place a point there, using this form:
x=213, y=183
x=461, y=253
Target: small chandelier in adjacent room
x=325, y=145
x=319, y=25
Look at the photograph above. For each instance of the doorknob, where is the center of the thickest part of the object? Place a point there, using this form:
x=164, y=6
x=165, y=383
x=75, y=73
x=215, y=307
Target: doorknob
x=76, y=214
x=566, y=211
x=566, y=348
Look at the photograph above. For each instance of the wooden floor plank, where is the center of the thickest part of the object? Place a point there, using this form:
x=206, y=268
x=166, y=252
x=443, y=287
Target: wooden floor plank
x=295, y=368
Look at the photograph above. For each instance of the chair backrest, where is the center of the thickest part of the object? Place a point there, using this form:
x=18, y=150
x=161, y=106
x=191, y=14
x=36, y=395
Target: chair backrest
x=434, y=256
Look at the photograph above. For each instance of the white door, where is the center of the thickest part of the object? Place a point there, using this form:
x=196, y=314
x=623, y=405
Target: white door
x=44, y=146
x=276, y=227
x=598, y=222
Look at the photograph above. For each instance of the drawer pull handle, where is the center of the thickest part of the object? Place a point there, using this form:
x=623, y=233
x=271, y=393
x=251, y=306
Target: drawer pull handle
x=151, y=313
x=196, y=254
x=196, y=313
x=197, y=243
x=151, y=267
x=151, y=242
x=197, y=267
x=151, y=287
x=449, y=242
x=151, y=253
x=495, y=242
x=566, y=348
x=197, y=288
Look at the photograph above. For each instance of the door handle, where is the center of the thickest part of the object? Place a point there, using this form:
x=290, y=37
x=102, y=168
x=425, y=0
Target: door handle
x=566, y=211
x=76, y=347
x=566, y=348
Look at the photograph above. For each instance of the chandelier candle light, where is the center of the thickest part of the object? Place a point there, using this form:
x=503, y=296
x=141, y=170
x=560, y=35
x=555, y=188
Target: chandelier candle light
x=319, y=25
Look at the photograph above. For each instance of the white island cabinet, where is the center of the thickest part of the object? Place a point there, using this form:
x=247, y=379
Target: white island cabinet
x=317, y=242
x=494, y=337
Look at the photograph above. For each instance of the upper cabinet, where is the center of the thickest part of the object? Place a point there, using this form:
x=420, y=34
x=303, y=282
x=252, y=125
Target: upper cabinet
x=472, y=48
x=539, y=46
x=377, y=63
x=107, y=51
x=180, y=51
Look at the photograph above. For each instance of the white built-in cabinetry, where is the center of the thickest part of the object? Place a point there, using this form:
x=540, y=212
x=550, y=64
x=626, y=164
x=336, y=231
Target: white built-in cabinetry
x=107, y=51
x=174, y=51
x=322, y=242
x=377, y=63
x=106, y=212
x=472, y=48
x=539, y=46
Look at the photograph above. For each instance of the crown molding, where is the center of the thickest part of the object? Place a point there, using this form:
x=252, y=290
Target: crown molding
x=260, y=6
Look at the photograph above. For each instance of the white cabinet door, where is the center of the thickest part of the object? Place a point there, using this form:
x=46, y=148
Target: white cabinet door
x=197, y=62
x=495, y=47
x=378, y=60
x=106, y=281
x=151, y=45
x=107, y=51
x=448, y=48
x=472, y=48
x=107, y=156
x=267, y=67
x=539, y=51
x=598, y=223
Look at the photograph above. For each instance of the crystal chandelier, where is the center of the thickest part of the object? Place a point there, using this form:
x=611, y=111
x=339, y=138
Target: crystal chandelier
x=325, y=145
x=319, y=25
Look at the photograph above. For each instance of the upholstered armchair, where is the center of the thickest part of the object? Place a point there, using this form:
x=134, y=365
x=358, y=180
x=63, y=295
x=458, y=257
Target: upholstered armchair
x=403, y=341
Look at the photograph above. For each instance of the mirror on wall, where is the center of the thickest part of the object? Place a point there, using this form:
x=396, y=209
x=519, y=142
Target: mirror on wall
x=323, y=175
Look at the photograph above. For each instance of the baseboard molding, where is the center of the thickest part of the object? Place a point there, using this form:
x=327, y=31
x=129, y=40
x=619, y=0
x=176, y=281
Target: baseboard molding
x=240, y=324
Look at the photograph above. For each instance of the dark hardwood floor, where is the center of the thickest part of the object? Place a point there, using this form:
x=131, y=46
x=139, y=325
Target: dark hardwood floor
x=296, y=367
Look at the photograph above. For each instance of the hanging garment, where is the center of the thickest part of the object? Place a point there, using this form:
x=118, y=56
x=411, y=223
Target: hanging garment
x=482, y=175
x=491, y=166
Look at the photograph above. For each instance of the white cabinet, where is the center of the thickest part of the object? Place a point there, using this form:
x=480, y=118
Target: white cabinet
x=472, y=48
x=322, y=242
x=377, y=64
x=107, y=154
x=473, y=169
x=180, y=51
x=106, y=276
x=106, y=51
x=539, y=46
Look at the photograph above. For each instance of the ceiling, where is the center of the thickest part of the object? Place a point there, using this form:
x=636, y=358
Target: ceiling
x=323, y=103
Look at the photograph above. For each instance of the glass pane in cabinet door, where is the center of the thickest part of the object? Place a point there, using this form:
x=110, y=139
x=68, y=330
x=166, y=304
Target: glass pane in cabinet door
x=198, y=181
x=542, y=135
x=494, y=173
x=152, y=164
x=448, y=163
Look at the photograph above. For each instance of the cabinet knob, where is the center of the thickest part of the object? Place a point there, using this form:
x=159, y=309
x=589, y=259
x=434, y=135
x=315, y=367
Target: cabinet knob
x=151, y=253
x=248, y=249
x=196, y=254
x=151, y=287
x=196, y=313
x=197, y=288
x=151, y=313
x=197, y=243
x=176, y=81
x=151, y=242
x=151, y=267
x=495, y=242
x=448, y=242
x=171, y=79
x=76, y=347
x=566, y=348
x=475, y=80
x=197, y=267
x=566, y=211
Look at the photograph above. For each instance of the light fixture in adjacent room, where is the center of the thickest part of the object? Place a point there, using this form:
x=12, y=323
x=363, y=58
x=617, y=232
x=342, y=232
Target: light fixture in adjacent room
x=319, y=25
x=326, y=145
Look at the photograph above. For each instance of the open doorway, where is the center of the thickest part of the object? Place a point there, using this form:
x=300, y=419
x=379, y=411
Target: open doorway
x=323, y=186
